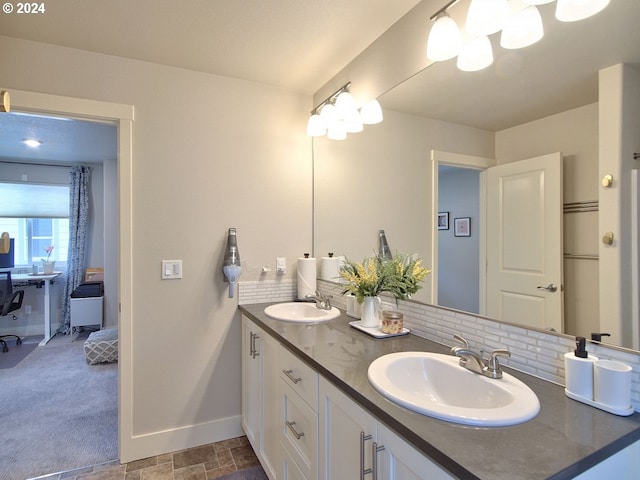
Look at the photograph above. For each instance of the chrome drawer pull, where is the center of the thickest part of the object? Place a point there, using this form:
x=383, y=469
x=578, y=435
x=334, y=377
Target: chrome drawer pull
x=374, y=461
x=363, y=438
x=289, y=373
x=291, y=426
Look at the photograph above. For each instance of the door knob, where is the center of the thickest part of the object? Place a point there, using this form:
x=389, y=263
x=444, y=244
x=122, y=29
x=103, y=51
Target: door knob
x=552, y=287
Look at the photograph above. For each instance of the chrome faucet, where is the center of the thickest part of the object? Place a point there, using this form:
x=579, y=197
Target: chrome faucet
x=323, y=302
x=473, y=361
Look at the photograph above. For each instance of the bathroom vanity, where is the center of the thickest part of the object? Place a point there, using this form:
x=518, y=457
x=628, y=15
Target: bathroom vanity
x=310, y=412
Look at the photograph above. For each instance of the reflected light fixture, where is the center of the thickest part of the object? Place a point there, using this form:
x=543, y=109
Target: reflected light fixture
x=485, y=17
x=444, y=38
x=338, y=115
x=475, y=54
x=519, y=20
x=523, y=26
x=574, y=10
x=371, y=112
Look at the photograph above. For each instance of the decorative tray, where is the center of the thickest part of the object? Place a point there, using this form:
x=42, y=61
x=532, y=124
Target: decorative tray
x=376, y=331
x=624, y=412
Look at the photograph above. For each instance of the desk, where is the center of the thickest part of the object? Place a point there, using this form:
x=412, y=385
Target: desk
x=21, y=278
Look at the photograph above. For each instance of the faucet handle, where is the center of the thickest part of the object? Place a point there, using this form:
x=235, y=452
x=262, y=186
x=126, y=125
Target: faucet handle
x=461, y=340
x=493, y=365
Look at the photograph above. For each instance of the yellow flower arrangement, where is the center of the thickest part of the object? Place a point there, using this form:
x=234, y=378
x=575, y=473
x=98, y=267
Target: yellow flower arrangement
x=400, y=276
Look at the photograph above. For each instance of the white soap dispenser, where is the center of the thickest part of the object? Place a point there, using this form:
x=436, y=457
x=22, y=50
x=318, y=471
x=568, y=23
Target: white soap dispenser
x=578, y=367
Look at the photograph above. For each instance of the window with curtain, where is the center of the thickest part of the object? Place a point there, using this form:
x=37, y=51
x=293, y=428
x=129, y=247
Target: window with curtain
x=36, y=216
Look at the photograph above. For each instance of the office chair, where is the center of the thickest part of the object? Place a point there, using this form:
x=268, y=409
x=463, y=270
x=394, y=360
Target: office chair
x=10, y=301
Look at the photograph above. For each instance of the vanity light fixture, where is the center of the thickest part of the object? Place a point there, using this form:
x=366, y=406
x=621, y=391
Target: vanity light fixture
x=523, y=26
x=476, y=53
x=444, y=38
x=519, y=20
x=338, y=115
x=486, y=17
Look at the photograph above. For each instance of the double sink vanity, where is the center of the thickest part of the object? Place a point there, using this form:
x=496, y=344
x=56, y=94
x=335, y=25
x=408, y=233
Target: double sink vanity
x=322, y=400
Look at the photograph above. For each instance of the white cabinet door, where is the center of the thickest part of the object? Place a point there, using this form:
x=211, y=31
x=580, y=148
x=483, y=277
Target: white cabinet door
x=260, y=394
x=397, y=460
x=251, y=383
x=347, y=433
x=269, y=442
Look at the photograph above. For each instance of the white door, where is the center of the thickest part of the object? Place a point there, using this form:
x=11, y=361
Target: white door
x=524, y=242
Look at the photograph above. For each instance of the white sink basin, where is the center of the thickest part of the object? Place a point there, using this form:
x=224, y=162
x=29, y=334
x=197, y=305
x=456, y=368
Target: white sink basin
x=435, y=385
x=301, y=312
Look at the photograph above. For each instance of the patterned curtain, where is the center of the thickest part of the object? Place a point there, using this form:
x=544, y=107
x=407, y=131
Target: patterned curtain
x=78, y=218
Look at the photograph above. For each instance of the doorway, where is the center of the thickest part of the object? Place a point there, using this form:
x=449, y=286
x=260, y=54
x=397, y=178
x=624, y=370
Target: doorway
x=122, y=116
x=459, y=252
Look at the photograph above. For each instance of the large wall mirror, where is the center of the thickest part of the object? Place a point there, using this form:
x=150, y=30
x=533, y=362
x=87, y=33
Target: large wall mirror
x=443, y=127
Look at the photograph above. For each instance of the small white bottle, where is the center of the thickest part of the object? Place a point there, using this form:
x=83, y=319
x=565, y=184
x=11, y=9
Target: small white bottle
x=578, y=367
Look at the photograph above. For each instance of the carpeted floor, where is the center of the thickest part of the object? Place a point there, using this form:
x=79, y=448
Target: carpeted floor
x=16, y=353
x=57, y=412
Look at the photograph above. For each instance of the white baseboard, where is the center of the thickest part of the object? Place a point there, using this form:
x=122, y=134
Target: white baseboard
x=167, y=441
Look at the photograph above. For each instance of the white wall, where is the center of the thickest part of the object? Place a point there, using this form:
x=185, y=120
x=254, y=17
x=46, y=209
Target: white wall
x=575, y=134
x=208, y=153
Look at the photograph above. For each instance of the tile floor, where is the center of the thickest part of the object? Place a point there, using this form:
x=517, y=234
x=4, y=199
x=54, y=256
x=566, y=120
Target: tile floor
x=207, y=462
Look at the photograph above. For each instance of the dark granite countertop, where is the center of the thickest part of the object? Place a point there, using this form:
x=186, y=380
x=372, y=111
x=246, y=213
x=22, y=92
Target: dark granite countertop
x=564, y=440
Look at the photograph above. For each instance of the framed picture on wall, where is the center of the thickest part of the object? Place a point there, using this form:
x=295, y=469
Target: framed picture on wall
x=443, y=220
x=462, y=227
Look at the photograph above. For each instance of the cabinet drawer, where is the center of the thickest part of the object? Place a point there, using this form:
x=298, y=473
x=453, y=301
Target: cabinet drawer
x=300, y=377
x=299, y=431
x=290, y=471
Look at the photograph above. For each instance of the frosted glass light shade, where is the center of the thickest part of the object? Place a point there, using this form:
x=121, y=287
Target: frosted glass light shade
x=574, y=10
x=329, y=114
x=316, y=126
x=523, y=26
x=345, y=104
x=444, y=39
x=371, y=112
x=476, y=53
x=486, y=16
x=336, y=132
x=352, y=121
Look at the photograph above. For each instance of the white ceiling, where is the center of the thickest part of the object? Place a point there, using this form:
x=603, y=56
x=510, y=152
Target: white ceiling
x=558, y=73
x=300, y=44
x=293, y=44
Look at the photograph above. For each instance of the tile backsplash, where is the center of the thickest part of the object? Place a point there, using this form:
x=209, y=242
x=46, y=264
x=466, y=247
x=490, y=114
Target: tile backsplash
x=532, y=351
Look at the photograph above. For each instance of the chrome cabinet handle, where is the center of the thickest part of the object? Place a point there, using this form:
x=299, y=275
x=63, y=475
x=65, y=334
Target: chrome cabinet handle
x=252, y=345
x=363, y=438
x=374, y=459
x=296, y=434
x=289, y=374
x=552, y=287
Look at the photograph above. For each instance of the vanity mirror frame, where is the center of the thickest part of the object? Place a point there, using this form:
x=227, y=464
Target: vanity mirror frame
x=613, y=289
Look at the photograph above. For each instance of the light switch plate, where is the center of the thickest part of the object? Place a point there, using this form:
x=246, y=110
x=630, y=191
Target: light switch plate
x=171, y=269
